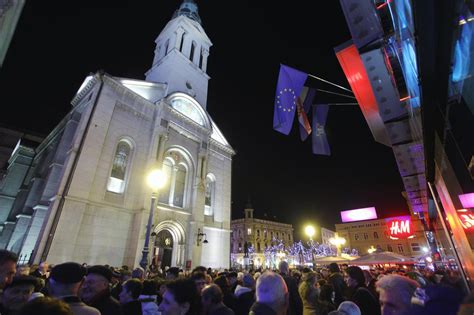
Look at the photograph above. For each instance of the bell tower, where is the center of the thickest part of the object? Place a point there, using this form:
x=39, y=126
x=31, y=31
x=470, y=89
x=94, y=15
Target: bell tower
x=181, y=53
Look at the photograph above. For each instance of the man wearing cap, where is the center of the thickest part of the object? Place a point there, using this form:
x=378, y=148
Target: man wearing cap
x=96, y=291
x=64, y=281
x=17, y=293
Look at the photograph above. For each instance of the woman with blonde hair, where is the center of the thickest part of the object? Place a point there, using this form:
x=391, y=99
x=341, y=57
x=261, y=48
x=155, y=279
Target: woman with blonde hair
x=309, y=293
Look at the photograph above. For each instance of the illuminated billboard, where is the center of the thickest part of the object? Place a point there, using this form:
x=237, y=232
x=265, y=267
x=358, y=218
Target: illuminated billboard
x=358, y=215
x=467, y=200
x=400, y=227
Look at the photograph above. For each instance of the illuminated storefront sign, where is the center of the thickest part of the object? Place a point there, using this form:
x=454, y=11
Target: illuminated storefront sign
x=467, y=220
x=400, y=227
x=358, y=214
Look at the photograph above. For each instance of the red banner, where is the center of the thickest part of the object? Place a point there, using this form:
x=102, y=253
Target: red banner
x=355, y=72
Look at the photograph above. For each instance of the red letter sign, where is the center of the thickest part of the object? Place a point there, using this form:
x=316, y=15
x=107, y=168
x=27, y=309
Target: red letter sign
x=399, y=227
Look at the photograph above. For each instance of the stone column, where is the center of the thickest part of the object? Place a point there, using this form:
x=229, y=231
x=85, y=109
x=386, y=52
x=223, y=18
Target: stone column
x=205, y=54
x=8, y=227
x=19, y=232
x=35, y=227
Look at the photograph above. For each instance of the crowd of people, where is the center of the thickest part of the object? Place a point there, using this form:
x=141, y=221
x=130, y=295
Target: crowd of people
x=77, y=289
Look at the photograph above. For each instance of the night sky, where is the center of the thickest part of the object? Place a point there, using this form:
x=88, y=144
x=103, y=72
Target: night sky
x=58, y=43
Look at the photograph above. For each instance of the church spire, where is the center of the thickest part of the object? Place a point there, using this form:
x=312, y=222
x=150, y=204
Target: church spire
x=189, y=9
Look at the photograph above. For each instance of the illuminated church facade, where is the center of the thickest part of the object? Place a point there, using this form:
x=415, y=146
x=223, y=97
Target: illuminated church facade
x=82, y=196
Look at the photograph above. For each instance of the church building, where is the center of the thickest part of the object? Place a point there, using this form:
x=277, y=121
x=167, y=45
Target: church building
x=81, y=195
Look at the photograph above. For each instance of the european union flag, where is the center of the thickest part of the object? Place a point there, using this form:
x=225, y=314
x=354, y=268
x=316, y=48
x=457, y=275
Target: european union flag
x=320, y=140
x=290, y=84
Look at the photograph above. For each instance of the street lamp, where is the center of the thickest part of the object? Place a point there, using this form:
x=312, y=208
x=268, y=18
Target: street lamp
x=371, y=249
x=156, y=180
x=310, y=231
x=338, y=242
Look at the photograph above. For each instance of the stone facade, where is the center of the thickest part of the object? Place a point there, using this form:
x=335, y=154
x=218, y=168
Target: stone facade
x=259, y=234
x=86, y=197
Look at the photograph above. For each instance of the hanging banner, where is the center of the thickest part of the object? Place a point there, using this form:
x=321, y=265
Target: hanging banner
x=354, y=69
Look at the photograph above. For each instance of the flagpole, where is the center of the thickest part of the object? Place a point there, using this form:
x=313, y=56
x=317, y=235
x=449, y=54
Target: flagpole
x=321, y=79
x=329, y=92
x=340, y=104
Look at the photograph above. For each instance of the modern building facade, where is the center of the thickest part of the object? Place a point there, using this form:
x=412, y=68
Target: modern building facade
x=10, y=11
x=84, y=196
x=417, y=95
x=256, y=235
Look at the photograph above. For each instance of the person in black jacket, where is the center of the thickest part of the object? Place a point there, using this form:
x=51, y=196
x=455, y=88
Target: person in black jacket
x=361, y=296
x=96, y=291
x=295, y=303
x=131, y=290
x=337, y=281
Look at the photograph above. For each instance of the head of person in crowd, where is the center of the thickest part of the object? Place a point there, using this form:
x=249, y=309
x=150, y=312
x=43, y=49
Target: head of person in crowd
x=199, y=279
x=138, y=273
x=150, y=288
x=272, y=291
x=172, y=273
x=208, y=279
x=346, y=308
x=211, y=297
x=18, y=292
x=8, y=262
x=367, y=276
x=395, y=294
x=125, y=275
x=232, y=277
x=43, y=268
x=326, y=293
x=131, y=290
x=284, y=268
x=66, y=279
x=355, y=277
x=310, y=278
x=47, y=306
x=96, y=283
x=322, y=282
x=248, y=281
x=162, y=287
x=467, y=306
x=180, y=298
x=23, y=270
x=200, y=269
x=333, y=267
x=324, y=272
x=256, y=275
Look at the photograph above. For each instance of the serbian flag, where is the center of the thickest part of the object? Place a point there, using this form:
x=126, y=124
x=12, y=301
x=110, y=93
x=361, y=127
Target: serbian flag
x=320, y=140
x=289, y=87
x=303, y=105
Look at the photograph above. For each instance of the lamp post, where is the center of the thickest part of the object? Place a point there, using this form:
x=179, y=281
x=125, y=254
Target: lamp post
x=338, y=242
x=156, y=180
x=310, y=231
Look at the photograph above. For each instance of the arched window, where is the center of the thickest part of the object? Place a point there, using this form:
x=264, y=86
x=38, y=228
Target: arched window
x=181, y=44
x=193, y=48
x=121, y=162
x=176, y=171
x=209, y=198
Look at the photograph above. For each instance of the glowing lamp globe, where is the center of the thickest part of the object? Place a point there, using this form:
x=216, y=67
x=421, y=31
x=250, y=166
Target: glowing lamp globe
x=310, y=231
x=156, y=179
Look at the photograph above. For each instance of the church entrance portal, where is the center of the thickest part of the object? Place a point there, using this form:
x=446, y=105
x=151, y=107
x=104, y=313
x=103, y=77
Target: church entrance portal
x=163, y=249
